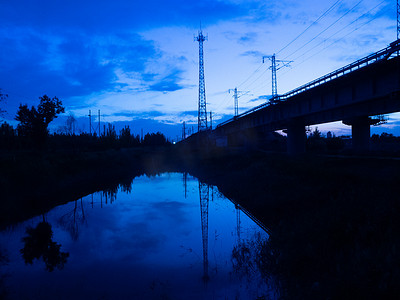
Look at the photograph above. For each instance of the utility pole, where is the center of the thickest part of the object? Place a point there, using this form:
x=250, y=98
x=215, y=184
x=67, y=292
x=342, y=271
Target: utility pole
x=235, y=104
x=184, y=131
x=210, y=120
x=99, y=124
x=274, y=68
x=90, y=122
x=202, y=112
x=236, y=95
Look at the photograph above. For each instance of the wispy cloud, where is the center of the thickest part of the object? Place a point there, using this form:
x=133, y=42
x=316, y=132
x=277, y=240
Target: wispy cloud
x=253, y=53
x=260, y=98
x=168, y=83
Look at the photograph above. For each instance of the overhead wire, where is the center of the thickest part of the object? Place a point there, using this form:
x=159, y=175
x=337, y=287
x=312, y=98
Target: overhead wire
x=259, y=67
x=334, y=34
x=312, y=24
x=255, y=80
x=297, y=37
x=334, y=42
x=354, y=21
x=331, y=8
x=332, y=24
x=326, y=47
x=226, y=100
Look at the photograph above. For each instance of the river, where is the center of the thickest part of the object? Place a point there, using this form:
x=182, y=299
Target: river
x=162, y=237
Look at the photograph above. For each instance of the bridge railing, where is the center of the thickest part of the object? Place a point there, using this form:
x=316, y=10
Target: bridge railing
x=372, y=58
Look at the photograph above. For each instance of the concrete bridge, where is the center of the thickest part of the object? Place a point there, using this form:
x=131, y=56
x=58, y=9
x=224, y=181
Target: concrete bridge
x=352, y=94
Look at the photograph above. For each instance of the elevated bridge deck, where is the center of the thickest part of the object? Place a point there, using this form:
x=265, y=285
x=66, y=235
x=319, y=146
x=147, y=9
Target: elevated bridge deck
x=367, y=87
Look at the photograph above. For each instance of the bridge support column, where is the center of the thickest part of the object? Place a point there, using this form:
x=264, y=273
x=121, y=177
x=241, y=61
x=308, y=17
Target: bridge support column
x=296, y=138
x=360, y=131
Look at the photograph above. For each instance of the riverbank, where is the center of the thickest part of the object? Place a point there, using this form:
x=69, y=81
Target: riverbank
x=33, y=182
x=333, y=221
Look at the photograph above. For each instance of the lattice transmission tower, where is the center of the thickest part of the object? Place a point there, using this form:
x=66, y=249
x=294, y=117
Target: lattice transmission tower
x=398, y=19
x=202, y=114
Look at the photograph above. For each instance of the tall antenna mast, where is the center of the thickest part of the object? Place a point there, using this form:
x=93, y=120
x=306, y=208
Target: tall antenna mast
x=398, y=19
x=202, y=114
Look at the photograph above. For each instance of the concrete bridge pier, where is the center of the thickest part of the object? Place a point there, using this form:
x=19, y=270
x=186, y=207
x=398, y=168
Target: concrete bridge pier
x=296, y=138
x=361, y=132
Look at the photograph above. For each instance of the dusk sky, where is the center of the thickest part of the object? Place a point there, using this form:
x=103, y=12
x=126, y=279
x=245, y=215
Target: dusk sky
x=137, y=61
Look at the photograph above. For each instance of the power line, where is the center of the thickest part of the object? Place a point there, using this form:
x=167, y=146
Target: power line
x=346, y=13
x=250, y=75
x=334, y=42
x=254, y=81
x=325, y=40
x=259, y=67
x=312, y=24
x=318, y=19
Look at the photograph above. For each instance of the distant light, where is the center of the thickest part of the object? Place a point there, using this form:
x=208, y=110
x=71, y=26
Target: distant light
x=173, y=143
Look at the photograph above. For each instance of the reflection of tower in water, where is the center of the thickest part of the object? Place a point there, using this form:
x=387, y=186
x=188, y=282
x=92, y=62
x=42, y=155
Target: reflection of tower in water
x=204, y=192
x=185, y=175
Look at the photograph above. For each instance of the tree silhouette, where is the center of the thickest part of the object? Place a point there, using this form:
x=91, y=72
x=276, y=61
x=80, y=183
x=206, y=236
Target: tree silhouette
x=39, y=244
x=34, y=121
x=126, y=139
x=155, y=139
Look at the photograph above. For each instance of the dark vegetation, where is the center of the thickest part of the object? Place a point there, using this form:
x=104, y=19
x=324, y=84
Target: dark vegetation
x=41, y=170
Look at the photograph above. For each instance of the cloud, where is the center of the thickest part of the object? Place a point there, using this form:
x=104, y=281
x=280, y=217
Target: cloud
x=168, y=83
x=260, y=98
x=248, y=38
x=71, y=64
x=100, y=16
x=192, y=113
x=253, y=53
x=137, y=114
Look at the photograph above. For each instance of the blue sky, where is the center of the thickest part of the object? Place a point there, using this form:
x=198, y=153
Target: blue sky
x=137, y=61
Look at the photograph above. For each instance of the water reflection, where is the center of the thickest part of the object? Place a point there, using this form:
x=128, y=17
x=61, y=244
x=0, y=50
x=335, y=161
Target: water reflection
x=39, y=244
x=72, y=220
x=154, y=239
x=204, y=194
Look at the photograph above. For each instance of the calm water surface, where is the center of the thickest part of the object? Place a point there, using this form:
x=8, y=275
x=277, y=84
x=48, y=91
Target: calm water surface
x=163, y=237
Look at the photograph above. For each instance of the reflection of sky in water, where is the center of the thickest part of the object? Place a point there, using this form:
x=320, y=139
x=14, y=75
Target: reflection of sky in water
x=146, y=244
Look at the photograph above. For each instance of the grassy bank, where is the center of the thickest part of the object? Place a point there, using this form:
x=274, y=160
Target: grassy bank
x=334, y=226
